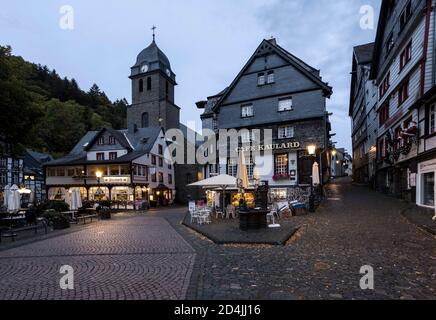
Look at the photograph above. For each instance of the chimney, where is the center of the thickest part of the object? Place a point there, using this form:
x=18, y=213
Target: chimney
x=273, y=41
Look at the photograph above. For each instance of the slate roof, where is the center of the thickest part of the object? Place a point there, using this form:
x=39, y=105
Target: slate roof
x=139, y=142
x=364, y=53
x=152, y=54
x=310, y=72
x=33, y=162
x=118, y=135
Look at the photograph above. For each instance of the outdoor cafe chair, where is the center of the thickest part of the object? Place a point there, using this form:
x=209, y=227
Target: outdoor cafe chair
x=219, y=213
x=194, y=215
x=230, y=212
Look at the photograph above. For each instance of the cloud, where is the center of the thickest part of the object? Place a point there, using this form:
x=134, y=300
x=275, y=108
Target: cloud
x=322, y=33
x=207, y=42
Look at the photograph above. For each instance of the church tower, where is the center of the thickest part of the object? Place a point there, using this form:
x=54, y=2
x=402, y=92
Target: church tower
x=153, y=84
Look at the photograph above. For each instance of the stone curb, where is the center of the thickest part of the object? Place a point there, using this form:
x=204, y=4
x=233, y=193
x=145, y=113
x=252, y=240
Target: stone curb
x=417, y=224
x=280, y=242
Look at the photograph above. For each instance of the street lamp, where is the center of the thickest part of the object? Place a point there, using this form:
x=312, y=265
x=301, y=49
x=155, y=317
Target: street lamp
x=98, y=174
x=311, y=150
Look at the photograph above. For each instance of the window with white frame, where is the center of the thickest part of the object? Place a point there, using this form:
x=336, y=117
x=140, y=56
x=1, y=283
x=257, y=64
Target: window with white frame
x=246, y=136
x=427, y=185
x=286, y=132
x=281, y=164
x=3, y=178
x=247, y=111
x=270, y=78
x=285, y=104
x=250, y=167
x=232, y=167
x=261, y=79
x=432, y=119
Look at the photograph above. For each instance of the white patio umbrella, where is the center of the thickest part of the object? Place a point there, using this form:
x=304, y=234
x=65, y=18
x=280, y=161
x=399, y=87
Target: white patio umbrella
x=242, y=174
x=216, y=199
x=6, y=195
x=315, y=174
x=14, y=199
x=76, y=199
x=223, y=181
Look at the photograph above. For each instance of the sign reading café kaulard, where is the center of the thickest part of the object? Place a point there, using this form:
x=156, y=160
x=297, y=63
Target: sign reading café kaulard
x=268, y=147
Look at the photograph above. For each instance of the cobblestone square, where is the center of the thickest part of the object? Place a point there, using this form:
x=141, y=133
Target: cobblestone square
x=153, y=256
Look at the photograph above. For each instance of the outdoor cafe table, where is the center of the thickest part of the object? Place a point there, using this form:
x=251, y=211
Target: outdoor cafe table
x=70, y=213
x=13, y=218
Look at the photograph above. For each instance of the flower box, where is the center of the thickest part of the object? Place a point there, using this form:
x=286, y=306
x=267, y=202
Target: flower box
x=278, y=177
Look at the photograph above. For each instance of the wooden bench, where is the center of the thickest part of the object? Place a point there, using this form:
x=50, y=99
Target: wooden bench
x=11, y=232
x=84, y=217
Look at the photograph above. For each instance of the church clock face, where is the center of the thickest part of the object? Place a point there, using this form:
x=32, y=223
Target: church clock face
x=168, y=73
x=144, y=68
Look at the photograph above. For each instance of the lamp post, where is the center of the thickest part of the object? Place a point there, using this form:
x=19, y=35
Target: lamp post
x=311, y=150
x=98, y=174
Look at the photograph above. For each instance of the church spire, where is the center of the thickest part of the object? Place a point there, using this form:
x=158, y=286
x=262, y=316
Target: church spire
x=153, y=29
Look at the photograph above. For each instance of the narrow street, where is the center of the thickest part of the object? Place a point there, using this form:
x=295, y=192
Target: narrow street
x=153, y=256
x=354, y=227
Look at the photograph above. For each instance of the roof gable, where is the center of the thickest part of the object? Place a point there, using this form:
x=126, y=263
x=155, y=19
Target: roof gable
x=268, y=47
x=120, y=138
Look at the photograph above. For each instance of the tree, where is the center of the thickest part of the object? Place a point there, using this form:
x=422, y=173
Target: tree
x=29, y=96
x=62, y=126
x=20, y=107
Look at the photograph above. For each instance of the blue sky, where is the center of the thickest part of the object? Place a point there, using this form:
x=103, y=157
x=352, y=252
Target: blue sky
x=207, y=42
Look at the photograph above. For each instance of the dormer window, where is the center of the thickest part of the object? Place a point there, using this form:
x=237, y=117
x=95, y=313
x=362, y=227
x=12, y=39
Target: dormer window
x=112, y=140
x=101, y=140
x=261, y=79
x=100, y=156
x=270, y=78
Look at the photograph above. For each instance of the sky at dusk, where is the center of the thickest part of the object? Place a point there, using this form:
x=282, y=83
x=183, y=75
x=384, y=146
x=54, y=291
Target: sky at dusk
x=207, y=42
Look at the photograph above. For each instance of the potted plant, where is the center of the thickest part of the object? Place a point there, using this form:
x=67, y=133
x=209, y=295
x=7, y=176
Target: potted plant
x=56, y=219
x=105, y=213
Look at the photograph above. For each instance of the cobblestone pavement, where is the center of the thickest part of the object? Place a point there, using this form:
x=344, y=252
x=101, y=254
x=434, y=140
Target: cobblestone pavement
x=135, y=258
x=354, y=227
x=153, y=256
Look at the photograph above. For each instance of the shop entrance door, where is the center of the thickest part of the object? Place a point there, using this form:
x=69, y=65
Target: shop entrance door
x=305, y=170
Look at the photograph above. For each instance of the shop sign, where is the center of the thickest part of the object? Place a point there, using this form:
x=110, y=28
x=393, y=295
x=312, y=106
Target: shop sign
x=268, y=147
x=116, y=179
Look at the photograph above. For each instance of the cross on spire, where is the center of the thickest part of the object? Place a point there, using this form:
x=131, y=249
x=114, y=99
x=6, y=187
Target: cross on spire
x=153, y=29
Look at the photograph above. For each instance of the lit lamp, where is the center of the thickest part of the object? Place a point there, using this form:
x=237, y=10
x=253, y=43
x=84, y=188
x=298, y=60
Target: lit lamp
x=311, y=150
x=98, y=174
x=334, y=153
